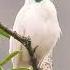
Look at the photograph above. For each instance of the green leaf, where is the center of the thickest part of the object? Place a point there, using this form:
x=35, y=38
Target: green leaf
x=1, y=68
x=8, y=58
x=23, y=68
x=4, y=34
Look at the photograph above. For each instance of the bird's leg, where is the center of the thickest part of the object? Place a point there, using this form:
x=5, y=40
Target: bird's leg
x=35, y=49
x=33, y=59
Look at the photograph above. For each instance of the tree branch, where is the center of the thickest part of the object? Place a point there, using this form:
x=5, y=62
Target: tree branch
x=25, y=41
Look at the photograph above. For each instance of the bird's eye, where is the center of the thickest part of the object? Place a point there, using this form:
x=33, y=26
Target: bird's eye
x=38, y=0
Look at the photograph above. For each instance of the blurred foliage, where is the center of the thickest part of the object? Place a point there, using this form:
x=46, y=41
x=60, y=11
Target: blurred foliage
x=3, y=34
x=23, y=68
x=8, y=58
x=1, y=68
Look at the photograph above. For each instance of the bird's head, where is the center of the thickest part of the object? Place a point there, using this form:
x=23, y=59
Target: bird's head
x=38, y=0
x=41, y=0
x=34, y=1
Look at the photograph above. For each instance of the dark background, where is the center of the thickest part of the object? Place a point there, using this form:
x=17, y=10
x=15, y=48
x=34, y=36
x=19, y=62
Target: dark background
x=8, y=12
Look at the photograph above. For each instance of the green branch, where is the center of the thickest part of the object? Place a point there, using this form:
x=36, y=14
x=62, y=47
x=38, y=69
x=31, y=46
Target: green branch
x=8, y=58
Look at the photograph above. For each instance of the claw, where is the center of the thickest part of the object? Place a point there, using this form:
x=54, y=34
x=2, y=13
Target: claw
x=35, y=48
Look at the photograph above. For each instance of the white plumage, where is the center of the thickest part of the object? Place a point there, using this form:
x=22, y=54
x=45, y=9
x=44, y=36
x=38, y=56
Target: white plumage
x=39, y=21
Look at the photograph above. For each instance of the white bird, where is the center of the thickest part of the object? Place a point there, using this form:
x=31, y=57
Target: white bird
x=37, y=19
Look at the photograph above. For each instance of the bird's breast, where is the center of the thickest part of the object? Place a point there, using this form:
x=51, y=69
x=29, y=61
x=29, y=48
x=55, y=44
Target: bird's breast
x=42, y=27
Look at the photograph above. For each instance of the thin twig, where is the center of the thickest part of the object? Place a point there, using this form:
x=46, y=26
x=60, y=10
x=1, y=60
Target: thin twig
x=25, y=41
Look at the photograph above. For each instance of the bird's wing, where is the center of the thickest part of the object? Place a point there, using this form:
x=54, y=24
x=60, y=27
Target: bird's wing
x=16, y=45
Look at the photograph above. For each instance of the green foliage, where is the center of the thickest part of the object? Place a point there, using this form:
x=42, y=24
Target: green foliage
x=8, y=58
x=23, y=68
x=4, y=34
x=1, y=68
